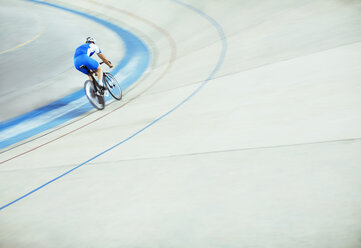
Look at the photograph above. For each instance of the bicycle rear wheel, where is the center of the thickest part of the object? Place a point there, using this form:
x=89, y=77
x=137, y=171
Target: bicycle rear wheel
x=96, y=100
x=112, y=85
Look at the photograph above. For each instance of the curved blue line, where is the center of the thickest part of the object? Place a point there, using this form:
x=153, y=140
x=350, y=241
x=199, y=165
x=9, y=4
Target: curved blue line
x=136, y=54
x=219, y=63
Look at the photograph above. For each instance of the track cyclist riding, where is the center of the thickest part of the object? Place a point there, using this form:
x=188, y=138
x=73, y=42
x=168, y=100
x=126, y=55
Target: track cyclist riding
x=82, y=57
x=96, y=91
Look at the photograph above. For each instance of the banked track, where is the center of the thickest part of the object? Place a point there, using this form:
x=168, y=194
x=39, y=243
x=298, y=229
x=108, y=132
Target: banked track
x=125, y=83
x=132, y=66
x=255, y=159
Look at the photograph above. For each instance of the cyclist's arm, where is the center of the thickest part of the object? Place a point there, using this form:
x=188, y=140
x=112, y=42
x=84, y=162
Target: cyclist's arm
x=102, y=57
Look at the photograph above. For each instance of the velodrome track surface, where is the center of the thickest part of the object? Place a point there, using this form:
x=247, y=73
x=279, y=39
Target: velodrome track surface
x=244, y=130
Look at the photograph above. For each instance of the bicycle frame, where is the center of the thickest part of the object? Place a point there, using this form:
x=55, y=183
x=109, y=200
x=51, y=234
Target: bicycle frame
x=91, y=74
x=95, y=92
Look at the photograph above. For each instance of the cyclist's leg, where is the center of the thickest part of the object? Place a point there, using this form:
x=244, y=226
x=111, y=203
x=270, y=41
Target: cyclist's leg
x=100, y=75
x=91, y=64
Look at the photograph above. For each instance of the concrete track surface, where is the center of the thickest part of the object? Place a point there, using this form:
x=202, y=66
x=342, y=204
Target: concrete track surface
x=245, y=130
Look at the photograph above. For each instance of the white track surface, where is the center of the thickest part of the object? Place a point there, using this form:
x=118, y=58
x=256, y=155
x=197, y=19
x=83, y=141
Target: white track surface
x=267, y=154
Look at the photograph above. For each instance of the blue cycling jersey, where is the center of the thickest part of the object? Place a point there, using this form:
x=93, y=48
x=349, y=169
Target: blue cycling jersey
x=88, y=49
x=82, y=57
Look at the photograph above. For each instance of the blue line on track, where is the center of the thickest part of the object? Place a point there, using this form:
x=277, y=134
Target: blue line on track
x=133, y=64
x=218, y=65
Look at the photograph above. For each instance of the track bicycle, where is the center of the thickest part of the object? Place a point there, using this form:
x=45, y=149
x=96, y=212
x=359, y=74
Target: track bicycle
x=95, y=92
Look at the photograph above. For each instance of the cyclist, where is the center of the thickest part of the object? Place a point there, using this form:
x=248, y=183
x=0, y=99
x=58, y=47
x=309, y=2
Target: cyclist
x=83, y=55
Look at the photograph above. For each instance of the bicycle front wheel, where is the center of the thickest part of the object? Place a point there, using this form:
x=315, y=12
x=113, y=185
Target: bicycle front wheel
x=112, y=85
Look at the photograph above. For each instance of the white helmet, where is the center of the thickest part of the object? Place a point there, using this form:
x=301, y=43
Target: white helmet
x=90, y=39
